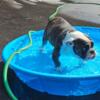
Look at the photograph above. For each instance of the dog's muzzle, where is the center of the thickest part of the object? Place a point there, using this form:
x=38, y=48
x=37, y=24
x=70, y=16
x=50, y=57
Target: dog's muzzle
x=91, y=54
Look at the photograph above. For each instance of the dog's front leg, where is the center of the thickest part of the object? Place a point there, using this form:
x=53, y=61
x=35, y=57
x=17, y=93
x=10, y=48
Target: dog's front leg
x=55, y=57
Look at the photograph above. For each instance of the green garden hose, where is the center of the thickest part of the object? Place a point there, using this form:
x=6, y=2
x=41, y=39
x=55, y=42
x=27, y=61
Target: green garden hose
x=55, y=13
x=5, y=71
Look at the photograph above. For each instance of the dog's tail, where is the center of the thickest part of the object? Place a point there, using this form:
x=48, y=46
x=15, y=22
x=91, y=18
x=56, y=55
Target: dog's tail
x=52, y=16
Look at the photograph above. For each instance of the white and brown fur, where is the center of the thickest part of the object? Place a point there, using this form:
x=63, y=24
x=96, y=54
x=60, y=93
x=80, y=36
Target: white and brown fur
x=59, y=32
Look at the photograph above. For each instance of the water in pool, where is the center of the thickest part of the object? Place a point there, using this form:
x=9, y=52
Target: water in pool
x=34, y=60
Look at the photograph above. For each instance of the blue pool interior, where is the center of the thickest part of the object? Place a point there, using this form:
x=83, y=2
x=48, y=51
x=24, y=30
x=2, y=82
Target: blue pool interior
x=38, y=63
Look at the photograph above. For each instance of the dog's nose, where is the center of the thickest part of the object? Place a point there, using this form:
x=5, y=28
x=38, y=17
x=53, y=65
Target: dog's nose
x=92, y=51
x=92, y=54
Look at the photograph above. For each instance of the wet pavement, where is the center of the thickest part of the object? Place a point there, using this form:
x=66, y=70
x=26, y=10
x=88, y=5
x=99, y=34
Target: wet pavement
x=16, y=22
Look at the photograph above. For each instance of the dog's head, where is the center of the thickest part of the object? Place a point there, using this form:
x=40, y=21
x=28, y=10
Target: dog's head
x=84, y=49
x=82, y=46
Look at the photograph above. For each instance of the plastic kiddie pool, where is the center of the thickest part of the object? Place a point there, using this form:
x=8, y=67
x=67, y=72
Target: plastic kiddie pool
x=36, y=69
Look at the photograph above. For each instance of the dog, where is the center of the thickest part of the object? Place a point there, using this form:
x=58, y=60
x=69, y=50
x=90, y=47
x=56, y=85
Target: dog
x=60, y=33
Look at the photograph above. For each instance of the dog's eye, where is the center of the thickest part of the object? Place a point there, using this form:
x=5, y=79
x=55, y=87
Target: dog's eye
x=86, y=48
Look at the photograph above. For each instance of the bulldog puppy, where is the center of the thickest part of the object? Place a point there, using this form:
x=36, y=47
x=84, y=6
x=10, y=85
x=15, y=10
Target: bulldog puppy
x=60, y=33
